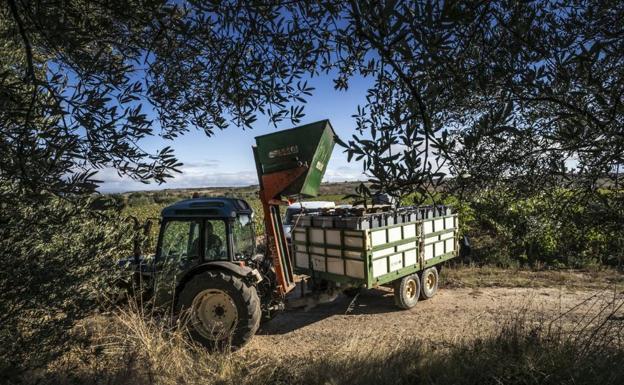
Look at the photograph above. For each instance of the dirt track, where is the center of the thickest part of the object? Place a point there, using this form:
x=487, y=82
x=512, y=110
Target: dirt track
x=452, y=314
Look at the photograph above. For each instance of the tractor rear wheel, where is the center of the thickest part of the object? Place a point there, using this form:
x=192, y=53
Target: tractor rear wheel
x=406, y=291
x=221, y=310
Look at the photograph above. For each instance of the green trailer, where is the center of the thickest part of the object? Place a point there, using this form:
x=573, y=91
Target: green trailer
x=410, y=251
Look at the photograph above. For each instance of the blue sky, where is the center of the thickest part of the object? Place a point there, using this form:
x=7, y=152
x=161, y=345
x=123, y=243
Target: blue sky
x=225, y=159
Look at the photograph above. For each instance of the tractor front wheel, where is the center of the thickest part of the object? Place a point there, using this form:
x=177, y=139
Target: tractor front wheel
x=220, y=309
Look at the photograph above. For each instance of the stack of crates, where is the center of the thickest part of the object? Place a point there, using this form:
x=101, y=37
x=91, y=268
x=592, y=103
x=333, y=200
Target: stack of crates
x=373, y=220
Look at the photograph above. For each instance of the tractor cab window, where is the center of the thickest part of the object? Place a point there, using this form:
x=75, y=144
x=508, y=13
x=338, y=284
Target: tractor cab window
x=243, y=237
x=180, y=240
x=215, y=242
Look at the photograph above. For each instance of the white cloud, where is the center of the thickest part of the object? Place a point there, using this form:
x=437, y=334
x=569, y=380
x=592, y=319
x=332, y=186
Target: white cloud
x=207, y=174
x=202, y=174
x=344, y=173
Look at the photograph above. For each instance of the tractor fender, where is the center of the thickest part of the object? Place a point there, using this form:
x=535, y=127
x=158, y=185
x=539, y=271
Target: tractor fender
x=252, y=276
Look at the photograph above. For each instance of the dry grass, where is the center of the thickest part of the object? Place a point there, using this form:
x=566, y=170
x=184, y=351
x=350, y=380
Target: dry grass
x=130, y=347
x=528, y=349
x=487, y=276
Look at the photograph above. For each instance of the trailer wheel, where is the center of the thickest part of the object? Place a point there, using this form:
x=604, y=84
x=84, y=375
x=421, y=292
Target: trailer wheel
x=220, y=310
x=429, y=283
x=406, y=291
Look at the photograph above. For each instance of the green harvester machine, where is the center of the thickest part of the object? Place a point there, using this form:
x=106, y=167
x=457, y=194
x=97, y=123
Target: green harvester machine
x=208, y=263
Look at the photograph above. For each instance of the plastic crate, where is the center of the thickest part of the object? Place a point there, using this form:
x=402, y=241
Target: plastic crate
x=324, y=221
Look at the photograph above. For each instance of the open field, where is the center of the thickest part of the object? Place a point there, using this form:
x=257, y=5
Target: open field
x=147, y=205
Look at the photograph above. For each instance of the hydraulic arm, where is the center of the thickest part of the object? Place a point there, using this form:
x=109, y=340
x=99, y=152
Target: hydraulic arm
x=289, y=163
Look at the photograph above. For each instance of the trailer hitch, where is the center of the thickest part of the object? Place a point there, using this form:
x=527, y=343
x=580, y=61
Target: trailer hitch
x=311, y=300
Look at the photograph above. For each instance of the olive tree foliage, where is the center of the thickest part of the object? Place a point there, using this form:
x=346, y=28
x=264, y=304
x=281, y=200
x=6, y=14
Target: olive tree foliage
x=516, y=102
x=81, y=85
x=68, y=105
x=531, y=84
x=56, y=273
x=490, y=92
x=558, y=120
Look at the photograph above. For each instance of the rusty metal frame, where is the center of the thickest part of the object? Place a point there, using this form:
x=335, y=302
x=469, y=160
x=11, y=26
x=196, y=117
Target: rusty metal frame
x=271, y=187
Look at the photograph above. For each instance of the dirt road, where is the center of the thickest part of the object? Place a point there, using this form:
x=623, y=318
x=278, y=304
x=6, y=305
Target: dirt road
x=454, y=313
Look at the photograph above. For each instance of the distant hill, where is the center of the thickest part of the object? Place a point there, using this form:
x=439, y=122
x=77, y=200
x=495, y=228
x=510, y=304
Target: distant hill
x=334, y=191
x=333, y=188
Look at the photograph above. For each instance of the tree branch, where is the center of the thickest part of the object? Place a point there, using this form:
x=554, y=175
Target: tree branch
x=30, y=71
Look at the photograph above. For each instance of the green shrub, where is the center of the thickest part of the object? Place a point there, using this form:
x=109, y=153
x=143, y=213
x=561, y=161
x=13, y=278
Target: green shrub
x=556, y=227
x=57, y=260
x=139, y=199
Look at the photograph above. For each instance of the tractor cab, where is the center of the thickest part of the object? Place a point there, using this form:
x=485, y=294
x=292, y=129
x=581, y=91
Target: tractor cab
x=202, y=230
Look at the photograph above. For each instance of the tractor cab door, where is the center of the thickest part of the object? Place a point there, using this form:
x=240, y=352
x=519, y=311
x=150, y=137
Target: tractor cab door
x=243, y=237
x=179, y=242
x=184, y=243
x=216, y=244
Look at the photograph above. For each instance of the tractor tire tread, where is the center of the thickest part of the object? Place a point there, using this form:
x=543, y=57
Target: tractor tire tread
x=244, y=296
